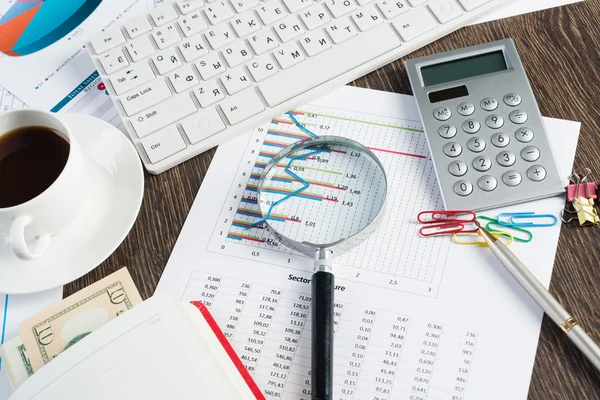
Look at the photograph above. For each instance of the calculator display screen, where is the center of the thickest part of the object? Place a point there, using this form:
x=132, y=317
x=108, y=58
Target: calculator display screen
x=464, y=68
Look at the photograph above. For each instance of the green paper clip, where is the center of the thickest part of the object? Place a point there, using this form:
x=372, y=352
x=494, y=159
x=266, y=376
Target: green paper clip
x=494, y=221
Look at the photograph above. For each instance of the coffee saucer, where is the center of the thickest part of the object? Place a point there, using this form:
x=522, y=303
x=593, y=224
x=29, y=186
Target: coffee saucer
x=116, y=191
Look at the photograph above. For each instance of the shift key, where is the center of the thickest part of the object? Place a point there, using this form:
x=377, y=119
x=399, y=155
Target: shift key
x=163, y=114
x=145, y=96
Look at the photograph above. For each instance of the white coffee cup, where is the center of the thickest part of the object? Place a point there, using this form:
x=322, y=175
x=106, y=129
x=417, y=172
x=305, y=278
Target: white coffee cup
x=34, y=222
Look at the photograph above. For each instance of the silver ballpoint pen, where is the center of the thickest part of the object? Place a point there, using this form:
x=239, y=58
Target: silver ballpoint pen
x=546, y=301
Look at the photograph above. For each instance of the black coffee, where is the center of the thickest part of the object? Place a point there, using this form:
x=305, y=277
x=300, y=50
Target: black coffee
x=31, y=158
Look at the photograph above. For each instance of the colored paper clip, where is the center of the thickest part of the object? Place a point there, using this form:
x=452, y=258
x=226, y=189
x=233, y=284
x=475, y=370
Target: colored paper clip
x=513, y=217
x=585, y=212
x=481, y=242
x=491, y=222
x=460, y=216
x=441, y=229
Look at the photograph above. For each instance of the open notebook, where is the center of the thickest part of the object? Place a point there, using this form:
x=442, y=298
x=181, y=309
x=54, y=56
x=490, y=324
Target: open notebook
x=160, y=349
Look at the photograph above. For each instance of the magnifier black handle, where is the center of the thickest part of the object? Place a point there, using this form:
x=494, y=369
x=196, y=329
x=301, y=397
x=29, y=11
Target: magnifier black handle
x=322, y=335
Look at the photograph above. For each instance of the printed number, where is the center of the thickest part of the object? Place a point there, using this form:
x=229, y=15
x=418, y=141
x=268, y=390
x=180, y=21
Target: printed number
x=500, y=139
x=463, y=187
x=255, y=253
x=471, y=125
x=506, y=157
x=223, y=247
x=448, y=130
x=482, y=162
x=393, y=282
x=357, y=274
x=289, y=260
x=494, y=119
x=452, y=149
x=477, y=144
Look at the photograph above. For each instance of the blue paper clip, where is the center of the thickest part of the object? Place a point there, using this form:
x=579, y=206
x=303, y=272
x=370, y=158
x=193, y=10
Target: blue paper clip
x=513, y=217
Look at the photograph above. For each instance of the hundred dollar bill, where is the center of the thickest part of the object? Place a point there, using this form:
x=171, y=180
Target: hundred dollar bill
x=15, y=361
x=61, y=326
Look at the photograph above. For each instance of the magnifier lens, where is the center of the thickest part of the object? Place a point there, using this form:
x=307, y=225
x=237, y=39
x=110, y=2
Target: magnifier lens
x=322, y=193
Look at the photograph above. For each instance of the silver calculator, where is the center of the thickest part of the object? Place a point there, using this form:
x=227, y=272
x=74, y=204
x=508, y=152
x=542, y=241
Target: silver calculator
x=484, y=129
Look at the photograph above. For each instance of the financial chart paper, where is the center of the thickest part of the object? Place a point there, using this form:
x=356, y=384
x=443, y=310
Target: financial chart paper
x=415, y=318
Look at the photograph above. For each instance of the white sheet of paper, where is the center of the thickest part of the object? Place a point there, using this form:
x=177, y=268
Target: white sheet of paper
x=518, y=7
x=15, y=309
x=417, y=317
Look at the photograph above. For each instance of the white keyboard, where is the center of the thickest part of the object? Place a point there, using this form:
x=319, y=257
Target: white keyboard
x=194, y=74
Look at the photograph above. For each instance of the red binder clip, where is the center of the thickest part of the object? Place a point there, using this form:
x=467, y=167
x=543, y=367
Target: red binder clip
x=455, y=216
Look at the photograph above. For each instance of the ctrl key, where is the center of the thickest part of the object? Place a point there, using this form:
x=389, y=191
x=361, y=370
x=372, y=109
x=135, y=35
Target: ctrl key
x=163, y=144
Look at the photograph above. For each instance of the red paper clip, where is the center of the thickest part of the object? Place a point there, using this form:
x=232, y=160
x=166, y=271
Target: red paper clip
x=442, y=229
x=446, y=216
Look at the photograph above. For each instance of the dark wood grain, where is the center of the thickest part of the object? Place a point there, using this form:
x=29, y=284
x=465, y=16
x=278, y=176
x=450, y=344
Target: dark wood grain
x=560, y=49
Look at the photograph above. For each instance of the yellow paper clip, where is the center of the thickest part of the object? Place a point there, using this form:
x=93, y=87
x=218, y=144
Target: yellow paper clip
x=506, y=238
x=586, y=212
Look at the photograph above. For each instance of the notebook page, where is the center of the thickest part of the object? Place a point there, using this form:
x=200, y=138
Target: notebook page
x=152, y=352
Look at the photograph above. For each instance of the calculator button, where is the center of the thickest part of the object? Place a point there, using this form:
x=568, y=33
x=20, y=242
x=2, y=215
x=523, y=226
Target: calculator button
x=471, y=126
x=512, y=178
x=458, y=168
x=442, y=113
x=482, y=163
x=466, y=109
x=494, y=121
x=489, y=104
x=512, y=99
x=487, y=183
x=500, y=139
x=506, y=158
x=452, y=149
x=476, y=144
x=518, y=117
x=447, y=131
x=536, y=173
x=463, y=188
x=530, y=153
x=524, y=135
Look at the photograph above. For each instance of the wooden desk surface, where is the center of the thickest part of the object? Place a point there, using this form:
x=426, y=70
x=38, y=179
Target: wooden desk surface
x=560, y=49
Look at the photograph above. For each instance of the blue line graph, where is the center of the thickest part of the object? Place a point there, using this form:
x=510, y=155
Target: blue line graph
x=305, y=185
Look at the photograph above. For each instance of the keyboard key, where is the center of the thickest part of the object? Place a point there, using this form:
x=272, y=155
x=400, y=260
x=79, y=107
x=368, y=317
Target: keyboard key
x=512, y=178
x=262, y=67
x=145, y=96
x=131, y=77
x=341, y=30
x=445, y=10
x=218, y=12
x=202, y=125
x=183, y=79
x=236, y=53
x=315, y=16
x=366, y=18
x=271, y=12
x=329, y=64
x=244, y=5
x=235, y=80
x=188, y=6
x=524, y=135
x=315, y=42
x=463, y=188
x=166, y=36
x=530, y=153
x=289, y=28
x=166, y=61
x=506, y=158
x=138, y=27
x=242, y=106
x=452, y=149
x=208, y=93
x=108, y=40
x=494, y=121
x=114, y=61
x=245, y=24
x=487, y=183
x=458, y=168
x=500, y=139
x=140, y=48
x=219, y=36
x=192, y=24
x=482, y=163
x=192, y=49
x=210, y=66
x=288, y=55
x=518, y=117
x=470, y=5
x=414, y=23
x=163, y=144
x=163, y=14
x=163, y=114
x=392, y=8
x=297, y=5
x=339, y=8
x=263, y=41
x=536, y=173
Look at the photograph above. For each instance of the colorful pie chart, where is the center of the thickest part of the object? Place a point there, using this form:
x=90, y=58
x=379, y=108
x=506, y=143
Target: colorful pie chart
x=32, y=25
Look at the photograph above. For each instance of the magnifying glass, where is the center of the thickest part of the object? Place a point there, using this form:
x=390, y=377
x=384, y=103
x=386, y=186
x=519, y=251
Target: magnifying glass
x=322, y=196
